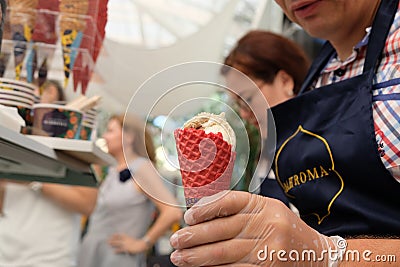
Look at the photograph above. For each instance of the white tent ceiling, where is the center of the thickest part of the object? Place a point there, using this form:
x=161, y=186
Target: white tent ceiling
x=122, y=67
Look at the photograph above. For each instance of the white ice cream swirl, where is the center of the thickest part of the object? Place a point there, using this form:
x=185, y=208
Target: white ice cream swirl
x=212, y=123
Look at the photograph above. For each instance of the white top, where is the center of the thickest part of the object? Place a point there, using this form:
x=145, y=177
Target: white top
x=35, y=232
x=120, y=209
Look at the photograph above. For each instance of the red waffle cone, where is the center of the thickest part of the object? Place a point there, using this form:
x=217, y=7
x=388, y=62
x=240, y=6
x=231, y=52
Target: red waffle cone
x=206, y=163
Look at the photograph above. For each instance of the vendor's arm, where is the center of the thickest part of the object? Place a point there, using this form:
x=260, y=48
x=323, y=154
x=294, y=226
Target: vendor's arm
x=78, y=199
x=372, y=252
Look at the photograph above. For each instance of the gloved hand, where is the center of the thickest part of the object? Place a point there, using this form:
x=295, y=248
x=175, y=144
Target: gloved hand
x=242, y=229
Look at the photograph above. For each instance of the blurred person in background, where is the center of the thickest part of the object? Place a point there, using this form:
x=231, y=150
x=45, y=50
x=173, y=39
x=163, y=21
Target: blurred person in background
x=277, y=66
x=41, y=222
x=52, y=92
x=119, y=231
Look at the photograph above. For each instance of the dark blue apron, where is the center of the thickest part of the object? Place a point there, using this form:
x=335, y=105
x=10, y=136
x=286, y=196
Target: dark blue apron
x=327, y=158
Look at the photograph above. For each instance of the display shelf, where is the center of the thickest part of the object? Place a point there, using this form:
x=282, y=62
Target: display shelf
x=23, y=158
x=86, y=151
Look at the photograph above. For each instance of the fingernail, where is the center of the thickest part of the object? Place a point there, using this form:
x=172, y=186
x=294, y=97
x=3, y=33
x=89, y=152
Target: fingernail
x=176, y=258
x=174, y=240
x=188, y=216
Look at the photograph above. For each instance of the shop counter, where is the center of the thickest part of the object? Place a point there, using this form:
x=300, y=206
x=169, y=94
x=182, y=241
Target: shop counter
x=49, y=159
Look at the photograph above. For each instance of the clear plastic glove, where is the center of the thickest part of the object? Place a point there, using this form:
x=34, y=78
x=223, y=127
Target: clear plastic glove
x=242, y=229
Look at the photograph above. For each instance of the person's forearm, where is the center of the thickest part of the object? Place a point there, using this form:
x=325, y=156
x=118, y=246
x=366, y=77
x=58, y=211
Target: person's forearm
x=74, y=198
x=371, y=252
x=163, y=223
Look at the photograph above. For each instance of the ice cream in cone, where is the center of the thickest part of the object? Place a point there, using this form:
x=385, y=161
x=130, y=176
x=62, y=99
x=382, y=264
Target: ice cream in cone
x=206, y=155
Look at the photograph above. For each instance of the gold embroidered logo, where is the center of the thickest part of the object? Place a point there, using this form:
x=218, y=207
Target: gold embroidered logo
x=308, y=181
x=303, y=177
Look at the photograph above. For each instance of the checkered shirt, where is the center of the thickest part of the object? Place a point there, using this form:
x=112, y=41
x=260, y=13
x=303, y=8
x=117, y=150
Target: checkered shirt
x=386, y=92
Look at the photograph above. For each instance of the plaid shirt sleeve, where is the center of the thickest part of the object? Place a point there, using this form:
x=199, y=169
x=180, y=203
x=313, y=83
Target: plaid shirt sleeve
x=386, y=105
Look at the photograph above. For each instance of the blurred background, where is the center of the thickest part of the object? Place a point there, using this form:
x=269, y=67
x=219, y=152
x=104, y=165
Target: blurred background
x=145, y=37
x=111, y=48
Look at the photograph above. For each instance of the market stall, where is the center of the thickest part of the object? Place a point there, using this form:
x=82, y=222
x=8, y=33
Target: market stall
x=64, y=38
